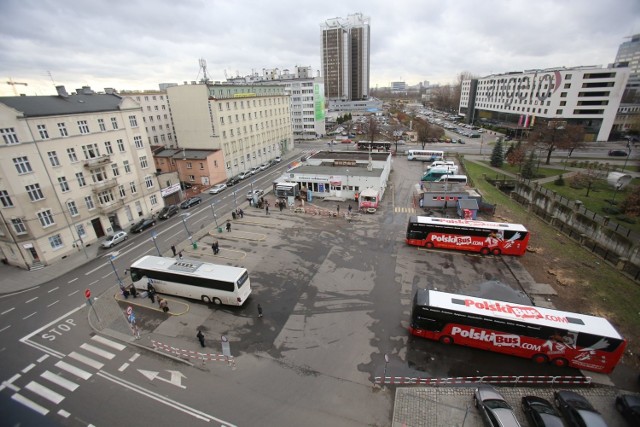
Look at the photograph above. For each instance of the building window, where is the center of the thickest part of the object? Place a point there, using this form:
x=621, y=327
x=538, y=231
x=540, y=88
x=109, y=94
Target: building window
x=88, y=200
x=138, y=141
x=143, y=162
x=559, y=111
x=127, y=167
x=114, y=169
x=64, y=185
x=103, y=128
x=114, y=123
x=563, y=103
x=132, y=121
x=192, y=178
x=122, y=191
x=120, y=145
x=563, y=94
x=46, y=218
x=9, y=136
x=71, y=152
x=189, y=165
x=83, y=127
x=55, y=241
x=80, y=178
x=5, y=199
x=18, y=226
x=148, y=180
x=132, y=185
x=73, y=209
x=105, y=197
x=80, y=230
x=63, y=130
x=91, y=151
x=567, y=85
x=42, y=130
x=34, y=192
x=108, y=147
x=201, y=166
x=22, y=165
x=153, y=199
x=567, y=77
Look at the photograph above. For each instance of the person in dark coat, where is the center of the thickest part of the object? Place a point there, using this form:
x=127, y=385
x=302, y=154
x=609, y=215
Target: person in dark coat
x=200, y=337
x=259, y=310
x=173, y=249
x=228, y=226
x=151, y=292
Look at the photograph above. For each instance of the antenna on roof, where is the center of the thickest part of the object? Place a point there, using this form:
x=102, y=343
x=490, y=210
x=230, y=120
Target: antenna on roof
x=203, y=68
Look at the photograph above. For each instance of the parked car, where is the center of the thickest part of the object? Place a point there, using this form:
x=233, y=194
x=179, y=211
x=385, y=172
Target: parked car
x=113, y=239
x=278, y=159
x=629, y=406
x=618, y=153
x=142, y=225
x=272, y=162
x=190, y=202
x=217, y=188
x=168, y=211
x=540, y=412
x=233, y=181
x=577, y=411
x=256, y=193
x=243, y=175
x=254, y=171
x=495, y=411
x=264, y=166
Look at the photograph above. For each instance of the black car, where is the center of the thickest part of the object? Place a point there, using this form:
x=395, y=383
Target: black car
x=233, y=181
x=629, y=406
x=618, y=153
x=190, y=202
x=142, y=225
x=577, y=411
x=168, y=211
x=540, y=412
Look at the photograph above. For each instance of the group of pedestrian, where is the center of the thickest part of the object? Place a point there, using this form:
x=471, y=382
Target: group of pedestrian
x=240, y=213
x=215, y=247
x=281, y=204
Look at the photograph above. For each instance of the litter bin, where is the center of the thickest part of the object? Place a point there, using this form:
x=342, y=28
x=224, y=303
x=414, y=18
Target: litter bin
x=219, y=229
x=195, y=245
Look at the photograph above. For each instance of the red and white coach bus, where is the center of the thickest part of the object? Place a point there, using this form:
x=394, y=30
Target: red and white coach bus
x=540, y=334
x=467, y=235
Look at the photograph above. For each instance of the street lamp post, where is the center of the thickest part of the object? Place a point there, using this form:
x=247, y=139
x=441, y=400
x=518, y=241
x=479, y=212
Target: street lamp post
x=154, y=235
x=235, y=202
x=184, y=216
x=113, y=256
x=214, y=215
x=618, y=186
x=628, y=155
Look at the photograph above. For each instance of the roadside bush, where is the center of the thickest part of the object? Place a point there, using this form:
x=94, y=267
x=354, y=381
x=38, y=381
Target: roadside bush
x=611, y=210
x=559, y=181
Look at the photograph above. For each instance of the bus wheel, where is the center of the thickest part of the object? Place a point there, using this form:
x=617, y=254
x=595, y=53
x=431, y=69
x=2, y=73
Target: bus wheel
x=429, y=245
x=205, y=299
x=485, y=251
x=217, y=301
x=496, y=251
x=540, y=358
x=446, y=340
x=560, y=362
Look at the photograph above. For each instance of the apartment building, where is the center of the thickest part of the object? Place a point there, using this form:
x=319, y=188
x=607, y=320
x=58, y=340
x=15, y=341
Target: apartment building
x=587, y=96
x=250, y=123
x=73, y=168
x=155, y=115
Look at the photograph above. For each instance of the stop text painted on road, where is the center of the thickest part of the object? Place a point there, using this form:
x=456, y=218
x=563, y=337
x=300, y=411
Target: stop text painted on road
x=59, y=329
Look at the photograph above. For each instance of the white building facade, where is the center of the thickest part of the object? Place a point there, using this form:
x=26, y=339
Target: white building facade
x=588, y=96
x=73, y=168
x=155, y=115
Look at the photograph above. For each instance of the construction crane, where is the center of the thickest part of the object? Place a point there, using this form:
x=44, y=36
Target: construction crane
x=13, y=85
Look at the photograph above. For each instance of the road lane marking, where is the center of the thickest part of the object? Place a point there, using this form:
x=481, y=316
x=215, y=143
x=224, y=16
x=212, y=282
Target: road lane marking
x=9, y=383
x=43, y=358
x=53, y=303
x=28, y=368
x=5, y=328
x=8, y=311
x=134, y=357
x=30, y=404
x=73, y=370
x=72, y=280
x=32, y=299
x=45, y=392
x=57, y=379
x=123, y=367
x=108, y=342
x=64, y=413
x=25, y=318
x=86, y=360
x=97, y=351
x=73, y=293
x=54, y=289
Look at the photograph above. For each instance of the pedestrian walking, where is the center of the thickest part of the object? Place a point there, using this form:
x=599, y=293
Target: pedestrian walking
x=266, y=209
x=338, y=209
x=241, y=212
x=180, y=255
x=173, y=249
x=163, y=304
x=213, y=247
x=151, y=292
x=349, y=209
x=228, y=226
x=133, y=291
x=259, y=310
x=200, y=337
x=216, y=247
x=281, y=205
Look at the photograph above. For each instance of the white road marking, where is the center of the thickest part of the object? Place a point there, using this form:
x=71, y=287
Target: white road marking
x=73, y=370
x=57, y=379
x=43, y=358
x=25, y=318
x=107, y=275
x=54, y=289
x=30, y=300
x=5, y=328
x=8, y=311
x=28, y=368
x=53, y=303
x=63, y=413
x=93, y=283
x=30, y=404
x=45, y=392
x=97, y=351
x=134, y=357
x=72, y=280
x=86, y=360
x=73, y=293
x=108, y=343
x=123, y=367
x=9, y=383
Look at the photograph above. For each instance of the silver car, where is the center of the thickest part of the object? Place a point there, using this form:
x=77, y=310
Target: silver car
x=495, y=411
x=114, y=239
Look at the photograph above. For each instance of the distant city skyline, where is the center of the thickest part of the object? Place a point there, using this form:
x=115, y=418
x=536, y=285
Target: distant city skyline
x=137, y=46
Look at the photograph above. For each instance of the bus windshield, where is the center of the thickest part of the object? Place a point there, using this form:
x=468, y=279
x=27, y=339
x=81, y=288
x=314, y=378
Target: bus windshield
x=219, y=284
x=537, y=333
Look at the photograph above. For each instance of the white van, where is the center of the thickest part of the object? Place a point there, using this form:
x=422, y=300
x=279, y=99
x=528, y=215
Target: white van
x=457, y=179
x=435, y=173
x=441, y=163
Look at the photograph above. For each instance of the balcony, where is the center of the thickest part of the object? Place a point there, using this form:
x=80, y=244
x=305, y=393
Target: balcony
x=105, y=159
x=111, y=207
x=103, y=185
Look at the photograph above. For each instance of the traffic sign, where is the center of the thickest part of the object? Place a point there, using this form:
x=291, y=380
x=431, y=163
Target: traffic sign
x=87, y=293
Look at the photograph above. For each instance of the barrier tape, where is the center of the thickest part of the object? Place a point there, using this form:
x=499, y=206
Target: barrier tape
x=494, y=379
x=190, y=354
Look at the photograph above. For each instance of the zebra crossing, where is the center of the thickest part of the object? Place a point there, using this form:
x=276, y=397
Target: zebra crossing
x=401, y=209
x=49, y=390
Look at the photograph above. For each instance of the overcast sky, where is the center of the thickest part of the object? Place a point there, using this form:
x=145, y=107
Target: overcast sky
x=136, y=44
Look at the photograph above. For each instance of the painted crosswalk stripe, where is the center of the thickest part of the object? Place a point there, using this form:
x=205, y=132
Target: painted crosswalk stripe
x=109, y=343
x=73, y=370
x=57, y=379
x=63, y=413
x=45, y=392
x=86, y=360
x=30, y=404
x=97, y=351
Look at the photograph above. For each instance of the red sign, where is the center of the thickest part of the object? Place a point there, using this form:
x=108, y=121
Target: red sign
x=87, y=293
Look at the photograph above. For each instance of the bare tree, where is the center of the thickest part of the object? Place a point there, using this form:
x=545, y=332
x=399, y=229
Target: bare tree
x=556, y=134
x=372, y=128
x=423, y=130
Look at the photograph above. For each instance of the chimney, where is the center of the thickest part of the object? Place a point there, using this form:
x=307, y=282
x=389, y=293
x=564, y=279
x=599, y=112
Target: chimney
x=86, y=90
x=62, y=91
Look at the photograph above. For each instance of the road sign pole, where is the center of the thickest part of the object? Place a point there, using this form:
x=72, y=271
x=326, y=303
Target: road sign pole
x=87, y=294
